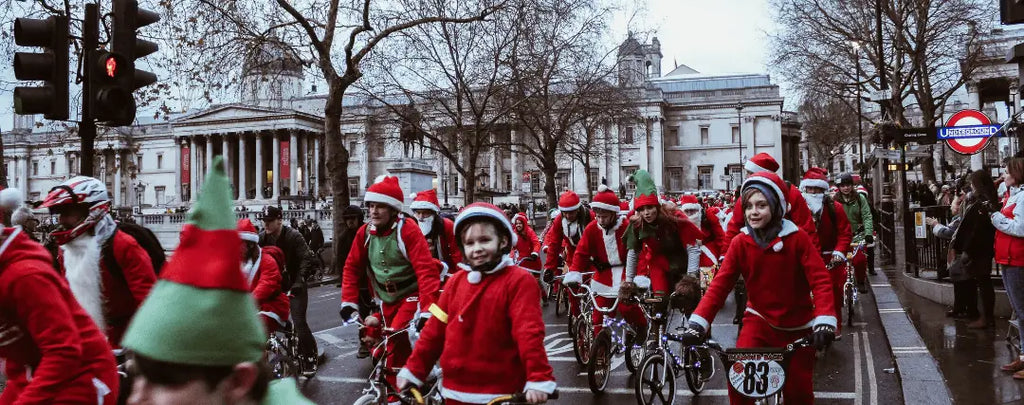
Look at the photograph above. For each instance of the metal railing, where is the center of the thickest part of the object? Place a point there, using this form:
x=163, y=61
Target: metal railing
x=885, y=226
x=931, y=250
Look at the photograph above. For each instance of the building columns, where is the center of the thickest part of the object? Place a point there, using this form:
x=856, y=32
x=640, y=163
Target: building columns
x=225, y=151
x=260, y=173
x=178, y=143
x=209, y=156
x=517, y=172
x=117, y=178
x=293, y=165
x=241, y=166
x=276, y=177
x=193, y=168
x=657, y=153
x=315, y=187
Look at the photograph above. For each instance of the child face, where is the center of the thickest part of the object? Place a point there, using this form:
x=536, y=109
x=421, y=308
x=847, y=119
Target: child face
x=757, y=211
x=481, y=243
x=648, y=212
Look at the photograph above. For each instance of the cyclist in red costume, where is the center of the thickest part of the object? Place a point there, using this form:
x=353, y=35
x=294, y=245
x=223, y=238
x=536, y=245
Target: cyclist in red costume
x=833, y=232
x=440, y=232
x=565, y=231
x=527, y=246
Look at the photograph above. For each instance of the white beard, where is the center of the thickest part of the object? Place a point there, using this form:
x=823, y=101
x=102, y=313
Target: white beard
x=426, y=225
x=82, y=267
x=814, y=201
x=695, y=218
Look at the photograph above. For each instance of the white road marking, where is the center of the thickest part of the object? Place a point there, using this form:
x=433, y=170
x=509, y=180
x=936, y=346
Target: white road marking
x=327, y=337
x=330, y=294
x=857, y=379
x=891, y=310
x=872, y=381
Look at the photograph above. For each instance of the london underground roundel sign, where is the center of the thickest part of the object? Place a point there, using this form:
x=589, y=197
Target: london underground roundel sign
x=968, y=131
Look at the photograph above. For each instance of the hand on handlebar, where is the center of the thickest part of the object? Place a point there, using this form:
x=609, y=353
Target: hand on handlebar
x=838, y=257
x=823, y=336
x=347, y=314
x=536, y=397
x=626, y=290
x=693, y=335
x=402, y=383
x=534, y=256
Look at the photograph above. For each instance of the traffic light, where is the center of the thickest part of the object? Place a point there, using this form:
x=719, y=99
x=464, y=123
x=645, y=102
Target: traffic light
x=1011, y=11
x=112, y=102
x=118, y=76
x=50, y=66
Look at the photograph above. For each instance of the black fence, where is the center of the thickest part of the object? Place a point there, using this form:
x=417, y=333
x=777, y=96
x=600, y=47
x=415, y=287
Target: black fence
x=931, y=250
x=885, y=227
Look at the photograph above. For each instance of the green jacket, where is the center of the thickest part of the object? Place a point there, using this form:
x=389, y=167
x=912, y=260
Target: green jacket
x=284, y=392
x=858, y=211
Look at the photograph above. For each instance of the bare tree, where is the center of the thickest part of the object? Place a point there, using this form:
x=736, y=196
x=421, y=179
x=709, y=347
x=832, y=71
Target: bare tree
x=829, y=127
x=592, y=138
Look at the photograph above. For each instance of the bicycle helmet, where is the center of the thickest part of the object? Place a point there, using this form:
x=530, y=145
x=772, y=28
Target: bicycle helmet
x=78, y=192
x=844, y=179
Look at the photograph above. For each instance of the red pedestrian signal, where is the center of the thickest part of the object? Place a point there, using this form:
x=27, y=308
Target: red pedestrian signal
x=111, y=67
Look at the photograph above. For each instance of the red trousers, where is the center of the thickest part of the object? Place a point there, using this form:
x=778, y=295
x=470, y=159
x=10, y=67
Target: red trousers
x=799, y=385
x=630, y=312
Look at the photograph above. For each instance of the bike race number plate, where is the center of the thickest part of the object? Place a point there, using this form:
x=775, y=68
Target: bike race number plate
x=756, y=375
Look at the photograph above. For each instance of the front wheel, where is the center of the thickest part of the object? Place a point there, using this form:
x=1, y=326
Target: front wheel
x=561, y=300
x=698, y=368
x=635, y=352
x=366, y=399
x=656, y=382
x=848, y=301
x=600, y=362
x=582, y=338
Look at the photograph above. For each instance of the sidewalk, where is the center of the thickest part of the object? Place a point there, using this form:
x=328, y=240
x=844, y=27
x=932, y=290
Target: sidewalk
x=968, y=359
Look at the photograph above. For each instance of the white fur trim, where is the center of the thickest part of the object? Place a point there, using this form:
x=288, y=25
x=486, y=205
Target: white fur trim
x=380, y=178
x=546, y=387
x=603, y=206
x=82, y=269
x=249, y=237
x=774, y=187
x=474, y=277
x=752, y=167
x=10, y=238
x=101, y=390
x=249, y=269
x=273, y=316
x=423, y=205
x=699, y=320
x=788, y=227
x=777, y=246
x=572, y=277
x=691, y=206
x=11, y=198
x=602, y=188
x=609, y=291
x=824, y=320
x=800, y=327
x=643, y=282
x=573, y=208
x=408, y=375
x=468, y=397
x=383, y=199
x=822, y=184
x=611, y=244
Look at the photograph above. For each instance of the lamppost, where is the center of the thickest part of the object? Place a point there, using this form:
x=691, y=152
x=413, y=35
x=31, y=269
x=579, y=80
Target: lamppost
x=739, y=133
x=860, y=133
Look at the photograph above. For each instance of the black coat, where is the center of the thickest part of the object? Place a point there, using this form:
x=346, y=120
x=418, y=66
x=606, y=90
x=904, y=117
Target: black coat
x=976, y=237
x=297, y=257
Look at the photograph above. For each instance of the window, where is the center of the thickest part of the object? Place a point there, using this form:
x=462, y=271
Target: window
x=595, y=179
x=352, y=147
x=454, y=183
x=672, y=139
x=628, y=171
x=34, y=196
x=353, y=186
x=627, y=136
x=160, y=194
x=73, y=164
x=53, y=167
x=138, y=163
x=535, y=181
x=561, y=181
x=735, y=134
x=376, y=147
x=705, y=135
x=508, y=181
x=704, y=177
x=842, y=165
x=159, y=161
x=675, y=178
x=735, y=172
x=35, y=167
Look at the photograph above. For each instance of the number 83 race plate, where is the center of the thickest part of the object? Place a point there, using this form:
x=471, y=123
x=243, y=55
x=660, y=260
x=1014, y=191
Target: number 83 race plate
x=756, y=375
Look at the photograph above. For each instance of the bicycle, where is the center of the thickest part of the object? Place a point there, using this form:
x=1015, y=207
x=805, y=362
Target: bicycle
x=758, y=373
x=616, y=337
x=1013, y=336
x=381, y=391
x=581, y=327
x=282, y=354
x=414, y=397
x=850, y=292
x=662, y=365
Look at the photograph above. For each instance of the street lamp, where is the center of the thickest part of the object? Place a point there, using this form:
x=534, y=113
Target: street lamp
x=860, y=133
x=739, y=132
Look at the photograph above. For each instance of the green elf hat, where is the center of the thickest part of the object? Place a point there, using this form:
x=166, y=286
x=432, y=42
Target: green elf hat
x=200, y=312
x=646, y=192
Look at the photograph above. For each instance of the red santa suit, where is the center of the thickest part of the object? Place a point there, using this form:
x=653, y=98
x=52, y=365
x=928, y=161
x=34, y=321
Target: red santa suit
x=781, y=279
x=834, y=233
x=527, y=243
x=51, y=349
x=711, y=246
x=796, y=211
x=442, y=244
x=563, y=235
x=484, y=319
x=109, y=296
x=264, y=278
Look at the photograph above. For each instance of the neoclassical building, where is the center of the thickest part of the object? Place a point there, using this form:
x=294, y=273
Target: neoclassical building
x=695, y=131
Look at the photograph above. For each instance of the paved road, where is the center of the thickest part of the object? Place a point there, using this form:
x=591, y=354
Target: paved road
x=852, y=372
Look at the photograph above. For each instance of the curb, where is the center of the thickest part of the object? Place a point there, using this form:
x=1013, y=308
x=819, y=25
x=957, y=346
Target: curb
x=920, y=377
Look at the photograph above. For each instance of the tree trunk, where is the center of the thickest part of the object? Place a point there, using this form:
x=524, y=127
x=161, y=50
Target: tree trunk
x=586, y=170
x=337, y=169
x=3, y=166
x=550, y=171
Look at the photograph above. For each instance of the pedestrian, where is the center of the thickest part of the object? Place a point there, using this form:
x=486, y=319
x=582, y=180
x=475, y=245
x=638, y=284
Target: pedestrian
x=298, y=264
x=353, y=220
x=783, y=270
x=1009, y=245
x=439, y=232
x=834, y=233
x=197, y=339
x=489, y=314
x=975, y=239
x=263, y=276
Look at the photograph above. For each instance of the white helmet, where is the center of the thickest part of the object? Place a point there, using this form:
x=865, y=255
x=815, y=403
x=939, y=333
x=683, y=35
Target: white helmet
x=84, y=192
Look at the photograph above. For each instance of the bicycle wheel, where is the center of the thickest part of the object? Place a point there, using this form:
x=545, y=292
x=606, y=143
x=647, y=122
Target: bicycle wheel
x=282, y=364
x=848, y=301
x=582, y=338
x=635, y=352
x=366, y=399
x=656, y=382
x=600, y=365
x=698, y=367
x=561, y=301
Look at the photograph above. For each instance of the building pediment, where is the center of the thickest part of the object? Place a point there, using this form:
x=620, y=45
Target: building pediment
x=242, y=118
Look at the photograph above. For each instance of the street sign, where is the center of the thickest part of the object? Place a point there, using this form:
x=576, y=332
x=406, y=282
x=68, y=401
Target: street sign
x=967, y=132
x=886, y=154
x=527, y=188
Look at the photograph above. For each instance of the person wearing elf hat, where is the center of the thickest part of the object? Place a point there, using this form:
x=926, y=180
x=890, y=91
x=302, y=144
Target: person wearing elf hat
x=790, y=291
x=391, y=255
x=528, y=246
x=264, y=277
x=797, y=212
x=565, y=230
x=662, y=251
x=858, y=211
x=833, y=232
x=440, y=232
x=711, y=245
x=210, y=347
x=487, y=328
x=602, y=250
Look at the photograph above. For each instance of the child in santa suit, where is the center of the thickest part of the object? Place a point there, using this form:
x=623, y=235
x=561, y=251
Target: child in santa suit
x=486, y=328
x=661, y=244
x=528, y=246
x=834, y=232
x=602, y=250
x=711, y=246
x=439, y=231
x=565, y=231
x=796, y=212
x=51, y=349
x=782, y=268
x=264, y=278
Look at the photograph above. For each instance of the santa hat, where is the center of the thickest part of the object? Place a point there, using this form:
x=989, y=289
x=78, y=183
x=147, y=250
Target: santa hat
x=483, y=210
x=569, y=201
x=761, y=162
x=624, y=206
x=770, y=182
x=247, y=231
x=520, y=217
x=646, y=192
x=385, y=190
x=200, y=312
x=425, y=200
x=605, y=199
x=814, y=177
x=863, y=190
x=689, y=202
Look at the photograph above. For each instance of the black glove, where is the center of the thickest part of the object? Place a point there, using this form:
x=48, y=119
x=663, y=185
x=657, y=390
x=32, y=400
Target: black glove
x=534, y=256
x=823, y=336
x=420, y=323
x=869, y=239
x=693, y=335
x=347, y=313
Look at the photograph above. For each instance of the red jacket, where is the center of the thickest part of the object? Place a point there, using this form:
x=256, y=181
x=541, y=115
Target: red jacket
x=265, y=285
x=1009, y=224
x=834, y=237
x=604, y=247
x=559, y=239
x=651, y=257
x=450, y=255
x=780, y=278
x=526, y=243
x=428, y=277
x=489, y=338
x=713, y=242
x=51, y=349
x=798, y=213
x=122, y=293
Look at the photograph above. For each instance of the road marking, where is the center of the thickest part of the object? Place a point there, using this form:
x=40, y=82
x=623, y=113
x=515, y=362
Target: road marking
x=857, y=379
x=552, y=325
x=891, y=310
x=329, y=338
x=872, y=381
x=329, y=294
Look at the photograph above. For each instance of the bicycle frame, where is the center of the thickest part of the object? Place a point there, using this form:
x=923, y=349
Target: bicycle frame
x=769, y=362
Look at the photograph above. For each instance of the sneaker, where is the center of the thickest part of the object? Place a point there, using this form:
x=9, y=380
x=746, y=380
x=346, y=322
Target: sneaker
x=1015, y=366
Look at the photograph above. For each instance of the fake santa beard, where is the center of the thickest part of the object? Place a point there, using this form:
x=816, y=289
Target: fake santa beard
x=814, y=201
x=82, y=265
x=426, y=224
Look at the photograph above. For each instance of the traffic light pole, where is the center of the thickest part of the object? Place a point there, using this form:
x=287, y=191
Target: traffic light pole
x=87, y=125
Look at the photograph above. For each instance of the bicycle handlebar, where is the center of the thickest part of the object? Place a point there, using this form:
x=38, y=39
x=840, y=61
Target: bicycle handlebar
x=593, y=300
x=517, y=398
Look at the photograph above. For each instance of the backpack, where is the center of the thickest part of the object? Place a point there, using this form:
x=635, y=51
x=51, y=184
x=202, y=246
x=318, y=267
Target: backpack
x=145, y=238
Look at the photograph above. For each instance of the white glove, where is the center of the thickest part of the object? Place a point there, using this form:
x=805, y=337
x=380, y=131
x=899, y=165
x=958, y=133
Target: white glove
x=838, y=256
x=573, y=278
x=642, y=282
